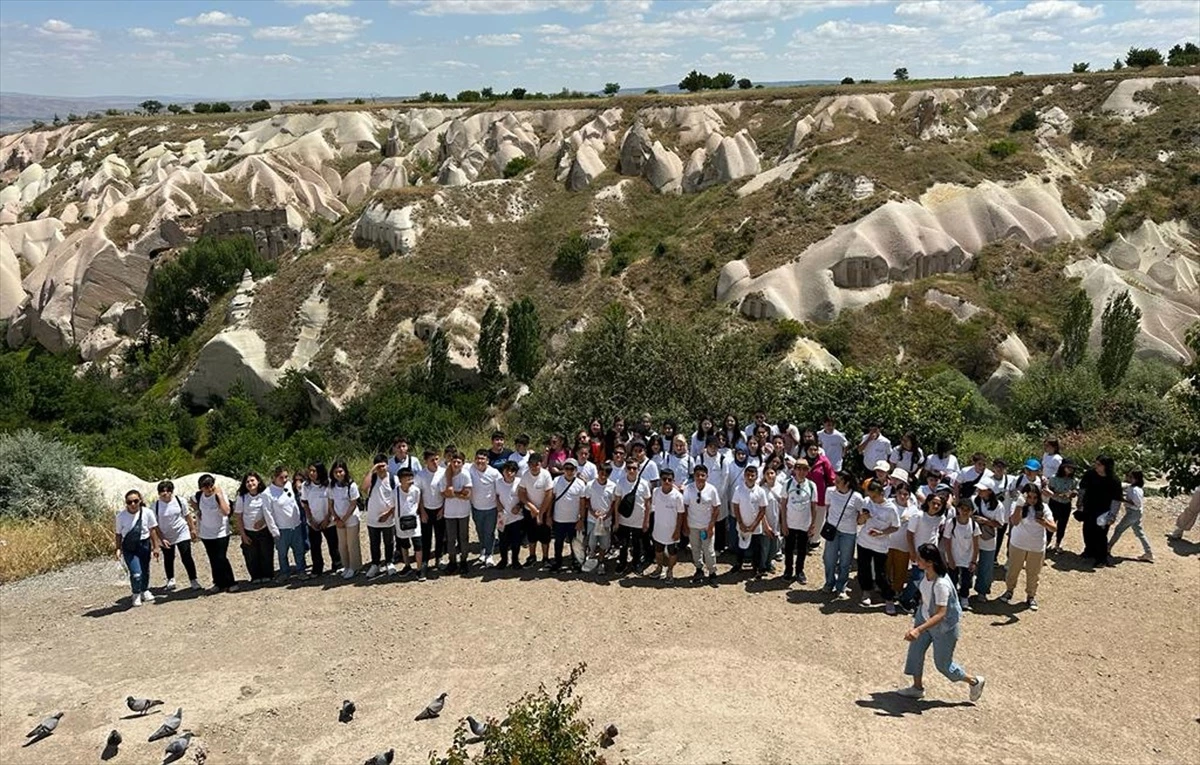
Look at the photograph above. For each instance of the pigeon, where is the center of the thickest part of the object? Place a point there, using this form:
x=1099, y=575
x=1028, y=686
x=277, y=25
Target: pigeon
x=346, y=714
x=111, y=746
x=141, y=705
x=179, y=745
x=383, y=758
x=433, y=708
x=606, y=738
x=47, y=726
x=611, y=731
x=478, y=729
x=169, y=727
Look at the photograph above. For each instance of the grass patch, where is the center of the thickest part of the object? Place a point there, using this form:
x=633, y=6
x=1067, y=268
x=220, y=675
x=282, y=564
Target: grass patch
x=35, y=546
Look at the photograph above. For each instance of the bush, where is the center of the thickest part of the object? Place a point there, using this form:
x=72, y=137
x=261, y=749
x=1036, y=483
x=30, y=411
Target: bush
x=1179, y=443
x=612, y=88
x=261, y=105
x=1079, y=67
x=468, y=96
x=745, y=83
x=518, y=165
x=539, y=729
x=570, y=259
x=202, y=107
x=1048, y=399
x=1004, y=148
x=374, y=419
x=220, y=107
x=518, y=94
x=43, y=478
x=977, y=411
x=783, y=337
x=1143, y=57
x=847, y=80
x=1025, y=121
x=1188, y=55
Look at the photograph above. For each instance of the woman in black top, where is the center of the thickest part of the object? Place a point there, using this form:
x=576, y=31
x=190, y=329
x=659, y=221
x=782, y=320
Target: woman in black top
x=1098, y=490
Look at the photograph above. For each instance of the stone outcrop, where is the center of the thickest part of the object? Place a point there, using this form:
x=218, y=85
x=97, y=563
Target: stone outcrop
x=389, y=230
x=274, y=234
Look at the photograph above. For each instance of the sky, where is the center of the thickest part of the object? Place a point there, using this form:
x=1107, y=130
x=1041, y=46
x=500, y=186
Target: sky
x=309, y=48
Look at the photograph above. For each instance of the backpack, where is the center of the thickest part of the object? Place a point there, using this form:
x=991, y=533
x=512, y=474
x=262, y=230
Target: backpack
x=362, y=498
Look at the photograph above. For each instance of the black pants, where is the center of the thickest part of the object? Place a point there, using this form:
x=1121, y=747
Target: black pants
x=962, y=578
x=563, y=532
x=648, y=542
x=632, y=543
x=436, y=527
x=719, y=534
x=218, y=559
x=260, y=555
x=185, y=554
x=872, y=573
x=510, y=541
x=387, y=535
x=1095, y=541
x=314, y=544
x=795, y=545
x=1062, y=514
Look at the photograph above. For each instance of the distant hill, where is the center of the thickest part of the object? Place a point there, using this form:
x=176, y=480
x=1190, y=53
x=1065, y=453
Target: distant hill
x=771, y=84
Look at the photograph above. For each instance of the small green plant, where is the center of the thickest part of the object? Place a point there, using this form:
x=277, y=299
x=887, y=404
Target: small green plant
x=571, y=258
x=360, y=280
x=1025, y=121
x=518, y=165
x=1004, y=148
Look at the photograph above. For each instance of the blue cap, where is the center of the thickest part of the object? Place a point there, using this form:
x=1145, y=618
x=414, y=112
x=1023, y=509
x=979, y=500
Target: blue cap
x=1032, y=464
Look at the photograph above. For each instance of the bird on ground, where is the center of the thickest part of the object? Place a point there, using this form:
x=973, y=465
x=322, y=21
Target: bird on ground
x=111, y=745
x=346, y=713
x=478, y=729
x=141, y=705
x=45, y=727
x=606, y=738
x=179, y=745
x=433, y=708
x=169, y=727
x=383, y=758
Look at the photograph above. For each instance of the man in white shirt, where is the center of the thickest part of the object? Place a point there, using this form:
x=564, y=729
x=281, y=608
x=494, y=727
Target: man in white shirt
x=511, y=518
x=666, y=505
x=484, y=478
x=380, y=487
x=521, y=455
x=433, y=522
x=759, y=421
x=874, y=447
x=834, y=443
x=401, y=458
x=797, y=521
x=717, y=465
x=536, y=497
x=455, y=486
x=632, y=496
x=750, y=510
x=703, y=503
x=600, y=502
x=566, y=506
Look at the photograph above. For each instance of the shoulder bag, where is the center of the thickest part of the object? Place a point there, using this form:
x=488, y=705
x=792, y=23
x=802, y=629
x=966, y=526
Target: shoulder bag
x=829, y=530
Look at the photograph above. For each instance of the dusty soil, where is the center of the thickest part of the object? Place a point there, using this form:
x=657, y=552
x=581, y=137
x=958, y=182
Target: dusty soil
x=752, y=672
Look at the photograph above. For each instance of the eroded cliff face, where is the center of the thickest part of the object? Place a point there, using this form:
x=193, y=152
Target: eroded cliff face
x=851, y=191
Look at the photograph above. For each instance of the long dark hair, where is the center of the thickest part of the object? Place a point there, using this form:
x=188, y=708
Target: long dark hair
x=322, y=474
x=345, y=470
x=931, y=554
x=944, y=448
x=703, y=434
x=1037, y=507
x=243, y=489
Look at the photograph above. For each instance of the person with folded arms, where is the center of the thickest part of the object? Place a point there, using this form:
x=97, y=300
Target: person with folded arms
x=484, y=478
x=256, y=527
x=455, y=487
x=510, y=519
x=535, y=495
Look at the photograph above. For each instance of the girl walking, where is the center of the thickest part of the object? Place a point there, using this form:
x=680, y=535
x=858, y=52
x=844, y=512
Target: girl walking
x=176, y=528
x=1133, y=515
x=1062, y=484
x=136, y=540
x=212, y=508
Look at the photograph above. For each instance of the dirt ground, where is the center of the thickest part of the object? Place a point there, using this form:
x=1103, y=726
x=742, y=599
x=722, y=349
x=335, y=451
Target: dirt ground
x=751, y=672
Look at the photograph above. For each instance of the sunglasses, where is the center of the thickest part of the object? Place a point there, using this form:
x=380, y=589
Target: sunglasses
x=133, y=502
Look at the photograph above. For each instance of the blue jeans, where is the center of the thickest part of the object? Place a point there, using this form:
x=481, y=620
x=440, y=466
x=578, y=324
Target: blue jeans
x=1132, y=518
x=985, y=569
x=291, y=539
x=485, y=529
x=138, y=564
x=943, y=654
x=908, y=598
x=839, y=552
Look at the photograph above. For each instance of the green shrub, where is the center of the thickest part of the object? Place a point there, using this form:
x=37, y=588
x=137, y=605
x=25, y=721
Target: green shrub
x=1047, y=399
x=43, y=478
x=783, y=337
x=518, y=165
x=1004, y=148
x=376, y=418
x=977, y=410
x=1025, y=121
x=570, y=259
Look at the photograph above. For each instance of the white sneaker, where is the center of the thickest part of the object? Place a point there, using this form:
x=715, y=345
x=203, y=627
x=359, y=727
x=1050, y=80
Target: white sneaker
x=866, y=601
x=170, y=584
x=391, y=569
x=913, y=692
x=489, y=562
x=195, y=584
x=348, y=573
x=373, y=571
x=977, y=688
x=148, y=596
x=137, y=601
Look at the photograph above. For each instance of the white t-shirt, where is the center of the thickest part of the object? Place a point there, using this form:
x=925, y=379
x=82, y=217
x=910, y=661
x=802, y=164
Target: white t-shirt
x=800, y=498
x=127, y=520
x=408, y=503
x=600, y=498
x=876, y=450
x=938, y=465
x=899, y=540
x=567, y=496
x=1134, y=496
x=455, y=507
x=536, y=486
x=934, y=594
x=1050, y=464
x=998, y=514
x=522, y=461
x=284, y=507
x=718, y=475
x=317, y=498
x=775, y=502
x=345, y=503
x=213, y=523
x=682, y=467
x=1028, y=534
x=700, y=504
x=648, y=471
x=1006, y=492
x=971, y=475
x=749, y=501
x=586, y=471
x=431, y=499
x=961, y=535
x=667, y=507
x=256, y=513
x=410, y=462
x=910, y=461
x=843, y=510
x=883, y=516
x=697, y=445
x=483, y=487
x=926, y=529
x=507, y=500
x=172, y=520
x=834, y=444
x=641, y=494
x=381, y=497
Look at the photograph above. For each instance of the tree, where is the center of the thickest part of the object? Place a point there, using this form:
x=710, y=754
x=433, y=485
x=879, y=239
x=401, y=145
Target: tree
x=847, y=80
x=1079, y=67
x=1017, y=73
x=1143, y=57
x=487, y=93
x=358, y=102
x=437, y=363
x=723, y=81
x=1025, y=121
x=518, y=94
x=1075, y=327
x=220, y=107
x=1188, y=55
x=1180, y=444
x=174, y=108
x=570, y=259
x=151, y=106
x=491, y=342
x=261, y=105
x=202, y=107
x=1118, y=330
x=612, y=88
x=524, y=349
x=901, y=73
x=745, y=83
x=695, y=81
x=1118, y=64
x=319, y=101
x=467, y=96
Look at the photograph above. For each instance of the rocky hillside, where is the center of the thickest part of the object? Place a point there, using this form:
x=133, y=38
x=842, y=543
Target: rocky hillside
x=969, y=204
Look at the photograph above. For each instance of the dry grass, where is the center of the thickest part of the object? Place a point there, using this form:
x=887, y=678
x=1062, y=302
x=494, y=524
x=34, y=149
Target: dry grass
x=29, y=547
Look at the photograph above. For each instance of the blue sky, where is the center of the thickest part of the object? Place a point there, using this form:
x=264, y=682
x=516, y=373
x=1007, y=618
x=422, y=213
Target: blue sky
x=401, y=47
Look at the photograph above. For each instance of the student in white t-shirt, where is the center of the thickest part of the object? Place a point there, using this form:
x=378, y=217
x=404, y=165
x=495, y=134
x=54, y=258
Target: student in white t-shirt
x=567, y=511
x=936, y=624
x=343, y=508
x=717, y=464
x=408, y=522
x=960, y=543
x=666, y=505
x=703, y=503
x=1052, y=459
x=844, y=506
x=834, y=443
x=289, y=519
x=600, y=503
x=401, y=458
x=679, y=461
x=942, y=463
x=177, y=528
x=510, y=519
x=587, y=469
x=990, y=515
x=797, y=521
x=142, y=528
x=750, y=511
x=1027, y=544
x=256, y=526
x=874, y=448
x=632, y=502
x=455, y=487
x=213, y=510
x=1134, y=496
x=923, y=529
x=878, y=519
x=967, y=479
x=321, y=526
x=380, y=487
x=898, y=559
x=536, y=498
x=484, y=478
x=433, y=521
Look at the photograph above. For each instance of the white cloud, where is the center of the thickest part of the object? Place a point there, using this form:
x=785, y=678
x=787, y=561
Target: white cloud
x=452, y=64
x=490, y=7
x=1041, y=35
x=141, y=33
x=1169, y=7
x=741, y=11
x=222, y=40
x=317, y=29
x=382, y=49
x=323, y=4
x=64, y=32
x=281, y=58
x=846, y=30
x=497, y=40
x=213, y=19
x=1052, y=10
x=944, y=11
x=552, y=29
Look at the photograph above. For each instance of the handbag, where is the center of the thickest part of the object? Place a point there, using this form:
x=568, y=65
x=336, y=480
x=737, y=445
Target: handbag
x=625, y=506
x=132, y=541
x=829, y=530
x=408, y=522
